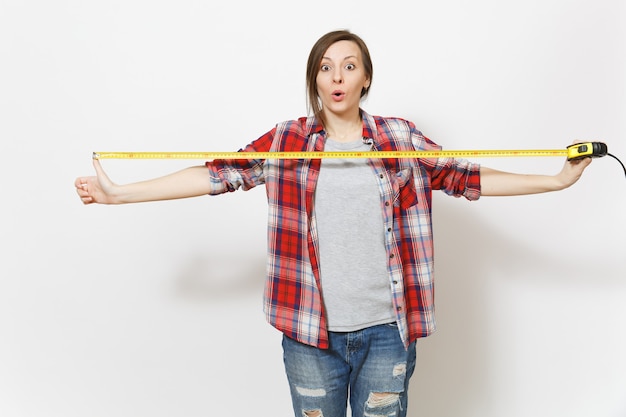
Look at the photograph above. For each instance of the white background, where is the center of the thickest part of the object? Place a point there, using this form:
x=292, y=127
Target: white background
x=155, y=309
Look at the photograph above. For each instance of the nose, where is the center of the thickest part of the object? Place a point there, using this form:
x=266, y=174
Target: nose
x=338, y=76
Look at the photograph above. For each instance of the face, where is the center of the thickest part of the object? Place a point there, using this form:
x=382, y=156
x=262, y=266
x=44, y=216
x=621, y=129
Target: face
x=341, y=79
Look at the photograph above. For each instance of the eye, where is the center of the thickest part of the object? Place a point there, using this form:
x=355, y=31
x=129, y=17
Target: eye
x=350, y=67
x=325, y=67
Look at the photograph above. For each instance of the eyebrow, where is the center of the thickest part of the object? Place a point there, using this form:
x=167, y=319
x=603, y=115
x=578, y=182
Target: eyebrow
x=348, y=57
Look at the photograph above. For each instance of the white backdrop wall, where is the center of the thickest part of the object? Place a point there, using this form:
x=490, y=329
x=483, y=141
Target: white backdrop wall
x=155, y=309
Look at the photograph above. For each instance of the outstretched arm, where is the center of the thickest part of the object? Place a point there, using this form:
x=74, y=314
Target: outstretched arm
x=189, y=182
x=499, y=183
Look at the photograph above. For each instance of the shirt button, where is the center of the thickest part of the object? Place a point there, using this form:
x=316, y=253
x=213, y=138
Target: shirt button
x=399, y=308
x=382, y=176
x=391, y=256
x=395, y=282
x=389, y=229
x=387, y=203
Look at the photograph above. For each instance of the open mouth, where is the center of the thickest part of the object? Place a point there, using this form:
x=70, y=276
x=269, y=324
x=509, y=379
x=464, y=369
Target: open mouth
x=337, y=95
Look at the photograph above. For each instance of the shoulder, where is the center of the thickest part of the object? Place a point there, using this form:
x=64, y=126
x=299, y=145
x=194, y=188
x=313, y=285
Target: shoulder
x=302, y=126
x=294, y=135
x=392, y=125
x=392, y=129
x=397, y=129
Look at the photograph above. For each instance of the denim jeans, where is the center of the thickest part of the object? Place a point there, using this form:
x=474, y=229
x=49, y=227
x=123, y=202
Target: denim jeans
x=368, y=366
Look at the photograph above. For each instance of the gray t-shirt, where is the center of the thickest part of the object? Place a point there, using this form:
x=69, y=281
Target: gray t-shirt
x=353, y=260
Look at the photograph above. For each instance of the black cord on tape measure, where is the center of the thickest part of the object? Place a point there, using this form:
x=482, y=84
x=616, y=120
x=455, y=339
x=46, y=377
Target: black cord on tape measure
x=617, y=159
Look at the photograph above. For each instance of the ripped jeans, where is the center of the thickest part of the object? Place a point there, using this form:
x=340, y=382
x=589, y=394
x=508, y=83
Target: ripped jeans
x=368, y=366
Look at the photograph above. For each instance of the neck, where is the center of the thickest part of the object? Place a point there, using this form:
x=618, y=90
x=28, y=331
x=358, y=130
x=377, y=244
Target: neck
x=343, y=128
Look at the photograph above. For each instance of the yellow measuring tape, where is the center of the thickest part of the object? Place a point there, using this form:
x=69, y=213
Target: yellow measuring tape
x=579, y=150
x=324, y=155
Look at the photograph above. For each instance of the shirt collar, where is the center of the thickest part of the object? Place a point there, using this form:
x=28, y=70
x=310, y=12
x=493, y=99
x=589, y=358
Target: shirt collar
x=369, y=127
x=314, y=125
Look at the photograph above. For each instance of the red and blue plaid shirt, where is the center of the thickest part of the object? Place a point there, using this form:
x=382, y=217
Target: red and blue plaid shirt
x=292, y=300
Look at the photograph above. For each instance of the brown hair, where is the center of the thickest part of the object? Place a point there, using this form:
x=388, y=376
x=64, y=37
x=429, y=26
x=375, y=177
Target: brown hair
x=315, y=57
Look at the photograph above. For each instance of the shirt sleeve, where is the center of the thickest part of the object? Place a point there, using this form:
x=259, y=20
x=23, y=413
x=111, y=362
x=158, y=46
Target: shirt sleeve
x=228, y=175
x=455, y=177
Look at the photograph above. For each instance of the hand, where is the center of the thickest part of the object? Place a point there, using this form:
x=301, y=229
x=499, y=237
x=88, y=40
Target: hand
x=95, y=189
x=572, y=171
x=500, y=183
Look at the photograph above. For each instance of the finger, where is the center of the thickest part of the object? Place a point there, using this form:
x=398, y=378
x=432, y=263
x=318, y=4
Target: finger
x=79, y=182
x=584, y=162
x=82, y=191
x=98, y=167
x=84, y=195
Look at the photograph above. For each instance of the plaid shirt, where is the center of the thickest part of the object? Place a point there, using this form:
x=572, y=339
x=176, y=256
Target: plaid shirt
x=292, y=299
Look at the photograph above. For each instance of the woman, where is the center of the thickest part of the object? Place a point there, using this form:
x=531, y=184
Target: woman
x=349, y=278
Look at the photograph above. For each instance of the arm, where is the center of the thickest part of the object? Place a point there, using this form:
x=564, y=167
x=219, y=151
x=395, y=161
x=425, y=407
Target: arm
x=499, y=183
x=189, y=182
